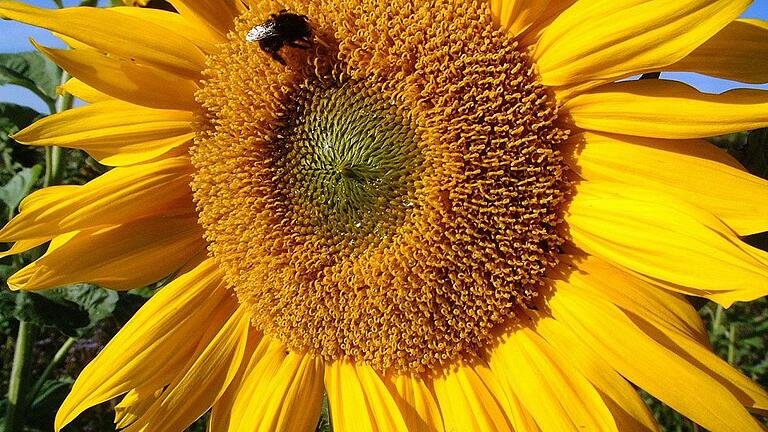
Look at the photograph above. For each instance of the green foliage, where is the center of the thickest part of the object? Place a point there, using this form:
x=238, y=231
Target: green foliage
x=13, y=118
x=740, y=335
x=324, y=425
x=48, y=400
x=19, y=186
x=73, y=310
x=32, y=71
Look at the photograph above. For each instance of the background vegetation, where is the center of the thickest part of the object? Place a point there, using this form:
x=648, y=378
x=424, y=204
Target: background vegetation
x=46, y=338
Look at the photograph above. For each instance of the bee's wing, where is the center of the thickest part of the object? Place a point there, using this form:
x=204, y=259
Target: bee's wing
x=260, y=32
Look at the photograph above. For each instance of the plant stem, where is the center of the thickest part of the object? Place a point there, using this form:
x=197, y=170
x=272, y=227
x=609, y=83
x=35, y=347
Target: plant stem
x=65, y=100
x=732, y=343
x=53, y=159
x=22, y=354
x=57, y=359
x=17, y=384
x=18, y=397
x=48, y=179
x=716, y=323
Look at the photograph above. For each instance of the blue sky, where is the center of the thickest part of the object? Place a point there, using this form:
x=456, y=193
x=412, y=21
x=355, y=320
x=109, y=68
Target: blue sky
x=15, y=37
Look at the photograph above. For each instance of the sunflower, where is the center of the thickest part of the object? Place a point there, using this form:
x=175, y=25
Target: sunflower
x=444, y=215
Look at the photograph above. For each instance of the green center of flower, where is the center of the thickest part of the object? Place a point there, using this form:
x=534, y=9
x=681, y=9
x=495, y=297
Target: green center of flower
x=346, y=161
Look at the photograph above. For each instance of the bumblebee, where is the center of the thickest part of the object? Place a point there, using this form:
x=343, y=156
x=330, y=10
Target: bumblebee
x=283, y=28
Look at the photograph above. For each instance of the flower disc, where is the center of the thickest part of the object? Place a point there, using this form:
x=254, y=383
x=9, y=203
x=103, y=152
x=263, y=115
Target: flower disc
x=390, y=195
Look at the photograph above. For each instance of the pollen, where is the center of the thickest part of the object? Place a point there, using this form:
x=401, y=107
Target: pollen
x=390, y=195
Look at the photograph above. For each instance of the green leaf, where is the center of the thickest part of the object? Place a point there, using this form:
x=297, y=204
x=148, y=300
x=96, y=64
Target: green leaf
x=3, y=408
x=754, y=342
x=64, y=315
x=47, y=402
x=6, y=271
x=762, y=327
x=7, y=307
x=14, y=118
x=20, y=185
x=31, y=70
x=98, y=303
x=73, y=310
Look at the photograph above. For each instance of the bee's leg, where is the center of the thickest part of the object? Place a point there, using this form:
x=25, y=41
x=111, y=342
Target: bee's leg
x=301, y=43
x=275, y=55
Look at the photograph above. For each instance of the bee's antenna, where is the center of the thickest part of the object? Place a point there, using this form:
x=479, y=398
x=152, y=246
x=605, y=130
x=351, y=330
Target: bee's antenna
x=321, y=42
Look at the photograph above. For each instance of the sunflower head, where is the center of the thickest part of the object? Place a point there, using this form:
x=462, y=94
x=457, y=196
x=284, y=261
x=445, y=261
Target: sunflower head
x=390, y=199
x=446, y=215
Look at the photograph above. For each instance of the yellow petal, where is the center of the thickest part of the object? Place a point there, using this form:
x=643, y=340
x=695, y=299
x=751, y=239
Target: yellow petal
x=122, y=257
x=668, y=319
x=347, y=402
x=416, y=402
x=114, y=132
x=121, y=195
x=358, y=400
x=627, y=408
x=205, y=378
x=389, y=414
x=635, y=296
x=667, y=241
x=122, y=79
x=217, y=14
x=116, y=33
x=690, y=170
x=745, y=390
x=516, y=16
x=294, y=397
x=163, y=333
x=557, y=395
x=519, y=415
x=134, y=404
x=82, y=91
x=201, y=35
x=604, y=40
x=669, y=378
x=732, y=53
x=279, y=392
x=221, y=411
x=23, y=246
x=263, y=364
x=467, y=403
x=667, y=109
x=72, y=43
x=553, y=10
